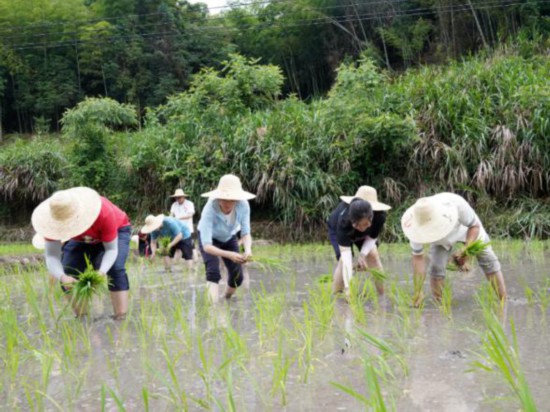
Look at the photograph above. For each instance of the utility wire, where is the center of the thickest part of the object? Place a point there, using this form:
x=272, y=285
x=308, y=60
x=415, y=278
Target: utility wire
x=75, y=23
x=295, y=23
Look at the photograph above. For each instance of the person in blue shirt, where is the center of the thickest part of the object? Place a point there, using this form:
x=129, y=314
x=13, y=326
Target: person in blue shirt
x=227, y=209
x=180, y=237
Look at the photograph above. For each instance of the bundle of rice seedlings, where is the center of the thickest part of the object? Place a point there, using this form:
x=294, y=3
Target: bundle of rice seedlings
x=90, y=283
x=378, y=274
x=164, y=249
x=475, y=248
x=266, y=263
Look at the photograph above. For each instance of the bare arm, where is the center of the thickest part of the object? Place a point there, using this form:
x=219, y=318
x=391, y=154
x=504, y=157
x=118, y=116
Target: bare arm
x=234, y=256
x=247, y=243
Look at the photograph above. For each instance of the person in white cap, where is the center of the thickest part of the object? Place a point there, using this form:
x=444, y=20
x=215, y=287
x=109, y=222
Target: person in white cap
x=183, y=209
x=357, y=220
x=180, y=237
x=442, y=220
x=227, y=209
x=90, y=228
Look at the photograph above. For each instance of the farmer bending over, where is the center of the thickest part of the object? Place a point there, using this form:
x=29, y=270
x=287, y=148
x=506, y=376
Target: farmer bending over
x=442, y=221
x=357, y=220
x=163, y=227
x=92, y=228
x=227, y=209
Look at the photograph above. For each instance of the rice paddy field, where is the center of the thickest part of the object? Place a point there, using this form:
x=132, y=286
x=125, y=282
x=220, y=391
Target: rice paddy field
x=286, y=343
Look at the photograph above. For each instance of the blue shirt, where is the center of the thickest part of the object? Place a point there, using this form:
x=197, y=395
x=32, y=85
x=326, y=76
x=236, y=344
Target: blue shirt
x=213, y=223
x=171, y=228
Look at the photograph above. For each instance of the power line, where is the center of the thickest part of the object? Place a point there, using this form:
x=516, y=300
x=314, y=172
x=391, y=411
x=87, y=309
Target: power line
x=296, y=23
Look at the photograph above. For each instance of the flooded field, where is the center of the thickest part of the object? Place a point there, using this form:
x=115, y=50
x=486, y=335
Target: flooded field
x=286, y=343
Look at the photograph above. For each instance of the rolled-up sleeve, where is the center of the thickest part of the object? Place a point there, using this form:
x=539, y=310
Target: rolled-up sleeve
x=417, y=248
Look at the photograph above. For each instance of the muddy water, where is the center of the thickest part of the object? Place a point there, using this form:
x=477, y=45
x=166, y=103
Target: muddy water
x=175, y=352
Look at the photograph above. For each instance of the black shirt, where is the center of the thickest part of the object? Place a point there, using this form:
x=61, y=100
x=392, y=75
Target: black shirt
x=346, y=234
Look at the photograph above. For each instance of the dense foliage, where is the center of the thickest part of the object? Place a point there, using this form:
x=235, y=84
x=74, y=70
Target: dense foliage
x=478, y=127
x=55, y=53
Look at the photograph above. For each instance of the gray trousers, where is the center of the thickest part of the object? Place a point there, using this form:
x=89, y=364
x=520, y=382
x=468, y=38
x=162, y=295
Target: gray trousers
x=439, y=256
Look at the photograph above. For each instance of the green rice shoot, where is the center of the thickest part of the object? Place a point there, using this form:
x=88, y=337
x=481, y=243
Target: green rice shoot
x=164, y=249
x=378, y=274
x=475, y=248
x=269, y=263
x=90, y=283
x=327, y=278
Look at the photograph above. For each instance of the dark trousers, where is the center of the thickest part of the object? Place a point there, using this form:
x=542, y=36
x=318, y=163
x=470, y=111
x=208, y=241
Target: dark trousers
x=75, y=254
x=212, y=263
x=186, y=247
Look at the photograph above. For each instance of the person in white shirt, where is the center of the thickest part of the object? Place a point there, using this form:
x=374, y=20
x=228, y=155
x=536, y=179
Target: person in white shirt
x=442, y=220
x=184, y=210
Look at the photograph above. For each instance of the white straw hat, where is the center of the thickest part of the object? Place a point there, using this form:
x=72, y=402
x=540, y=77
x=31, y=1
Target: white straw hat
x=152, y=223
x=38, y=241
x=178, y=193
x=429, y=220
x=229, y=188
x=67, y=213
x=369, y=194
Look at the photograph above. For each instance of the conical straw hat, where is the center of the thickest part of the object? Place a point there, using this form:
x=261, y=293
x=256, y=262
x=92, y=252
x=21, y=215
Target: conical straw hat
x=67, y=213
x=152, y=223
x=429, y=220
x=229, y=188
x=369, y=194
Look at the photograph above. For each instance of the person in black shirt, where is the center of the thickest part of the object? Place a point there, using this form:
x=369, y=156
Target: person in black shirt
x=357, y=220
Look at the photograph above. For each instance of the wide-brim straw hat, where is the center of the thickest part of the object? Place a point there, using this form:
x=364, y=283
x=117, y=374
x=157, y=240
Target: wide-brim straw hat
x=38, y=241
x=152, y=223
x=179, y=193
x=429, y=220
x=369, y=194
x=229, y=188
x=67, y=213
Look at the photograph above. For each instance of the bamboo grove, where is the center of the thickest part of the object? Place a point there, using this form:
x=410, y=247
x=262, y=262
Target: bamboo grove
x=53, y=54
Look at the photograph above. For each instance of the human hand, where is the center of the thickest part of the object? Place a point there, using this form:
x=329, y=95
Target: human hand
x=247, y=256
x=461, y=261
x=67, y=281
x=237, y=257
x=362, y=262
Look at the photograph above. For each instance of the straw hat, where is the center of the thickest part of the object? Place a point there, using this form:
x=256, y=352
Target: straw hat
x=179, y=193
x=429, y=220
x=38, y=241
x=229, y=188
x=67, y=213
x=152, y=223
x=369, y=194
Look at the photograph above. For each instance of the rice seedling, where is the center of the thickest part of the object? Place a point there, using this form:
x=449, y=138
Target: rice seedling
x=281, y=366
x=321, y=303
x=475, y=248
x=90, y=283
x=501, y=356
x=164, y=243
x=326, y=278
x=269, y=264
x=445, y=304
